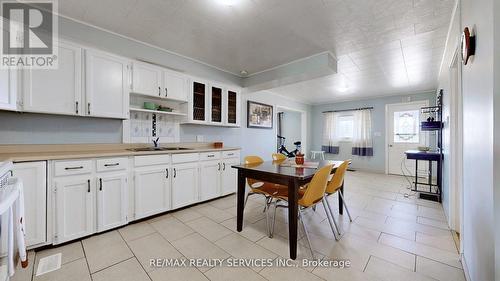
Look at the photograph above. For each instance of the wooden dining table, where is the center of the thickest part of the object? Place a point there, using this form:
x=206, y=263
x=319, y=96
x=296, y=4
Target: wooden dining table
x=283, y=173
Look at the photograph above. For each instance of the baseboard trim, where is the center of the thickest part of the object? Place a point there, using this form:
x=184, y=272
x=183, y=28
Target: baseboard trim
x=466, y=269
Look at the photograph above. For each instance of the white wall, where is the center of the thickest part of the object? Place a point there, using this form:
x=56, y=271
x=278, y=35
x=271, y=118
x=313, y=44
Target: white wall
x=261, y=142
x=291, y=127
x=478, y=238
x=452, y=44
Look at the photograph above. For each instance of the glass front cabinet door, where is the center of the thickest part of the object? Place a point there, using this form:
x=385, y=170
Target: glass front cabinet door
x=232, y=106
x=216, y=104
x=199, y=102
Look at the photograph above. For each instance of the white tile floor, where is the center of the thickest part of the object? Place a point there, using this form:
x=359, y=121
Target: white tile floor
x=391, y=238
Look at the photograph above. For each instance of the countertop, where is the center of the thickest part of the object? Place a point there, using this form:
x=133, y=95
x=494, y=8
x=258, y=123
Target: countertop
x=21, y=153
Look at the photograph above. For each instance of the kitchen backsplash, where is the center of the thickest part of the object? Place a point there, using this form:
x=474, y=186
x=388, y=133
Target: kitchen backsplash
x=144, y=127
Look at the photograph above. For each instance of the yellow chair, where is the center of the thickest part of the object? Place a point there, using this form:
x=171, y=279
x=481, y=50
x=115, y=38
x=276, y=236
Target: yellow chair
x=278, y=157
x=267, y=189
x=334, y=186
x=309, y=197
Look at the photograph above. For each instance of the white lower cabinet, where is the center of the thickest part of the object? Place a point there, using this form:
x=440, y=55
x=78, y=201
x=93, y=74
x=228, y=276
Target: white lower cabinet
x=229, y=176
x=34, y=178
x=210, y=180
x=112, y=200
x=152, y=190
x=74, y=207
x=184, y=184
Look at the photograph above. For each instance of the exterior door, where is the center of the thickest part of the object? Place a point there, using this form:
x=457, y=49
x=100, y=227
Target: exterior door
x=56, y=91
x=34, y=177
x=229, y=176
x=112, y=201
x=152, y=190
x=403, y=133
x=210, y=179
x=184, y=185
x=106, y=85
x=75, y=205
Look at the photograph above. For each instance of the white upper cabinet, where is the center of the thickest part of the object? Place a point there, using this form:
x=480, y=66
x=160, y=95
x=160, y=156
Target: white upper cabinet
x=175, y=85
x=107, y=91
x=8, y=89
x=147, y=79
x=56, y=91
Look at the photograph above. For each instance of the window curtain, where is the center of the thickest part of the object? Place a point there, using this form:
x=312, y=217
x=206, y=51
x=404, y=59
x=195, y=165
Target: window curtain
x=330, y=142
x=362, y=142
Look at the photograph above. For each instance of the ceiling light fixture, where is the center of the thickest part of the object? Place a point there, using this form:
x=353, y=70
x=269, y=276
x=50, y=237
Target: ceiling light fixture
x=227, y=2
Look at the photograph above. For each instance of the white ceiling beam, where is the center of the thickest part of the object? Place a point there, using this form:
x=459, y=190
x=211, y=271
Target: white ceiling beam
x=312, y=67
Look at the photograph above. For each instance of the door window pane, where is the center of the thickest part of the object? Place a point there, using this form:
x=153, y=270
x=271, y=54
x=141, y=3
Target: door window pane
x=406, y=126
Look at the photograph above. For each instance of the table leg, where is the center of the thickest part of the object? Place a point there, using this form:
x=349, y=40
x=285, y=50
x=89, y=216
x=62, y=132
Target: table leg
x=341, y=205
x=293, y=209
x=241, y=200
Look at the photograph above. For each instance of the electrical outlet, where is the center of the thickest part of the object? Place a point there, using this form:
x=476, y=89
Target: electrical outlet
x=200, y=138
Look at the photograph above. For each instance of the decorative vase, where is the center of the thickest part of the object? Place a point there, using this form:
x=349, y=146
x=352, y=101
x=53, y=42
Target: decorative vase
x=299, y=159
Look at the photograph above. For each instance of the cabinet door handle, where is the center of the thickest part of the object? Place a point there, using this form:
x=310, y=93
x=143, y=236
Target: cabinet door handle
x=73, y=168
x=230, y=154
x=159, y=91
x=224, y=166
x=166, y=92
x=175, y=173
x=112, y=165
x=88, y=108
x=166, y=170
x=218, y=164
x=88, y=186
x=76, y=107
x=211, y=155
x=100, y=184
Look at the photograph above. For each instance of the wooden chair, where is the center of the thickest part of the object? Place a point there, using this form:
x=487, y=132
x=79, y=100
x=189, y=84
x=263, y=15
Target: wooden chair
x=334, y=186
x=308, y=198
x=278, y=157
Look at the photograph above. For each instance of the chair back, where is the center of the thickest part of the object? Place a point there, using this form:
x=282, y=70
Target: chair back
x=249, y=160
x=252, y=159
x=316, y=188
x=278, y=157
x=338, y=177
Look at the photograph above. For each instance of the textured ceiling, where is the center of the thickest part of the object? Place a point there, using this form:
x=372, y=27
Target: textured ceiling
x=383, y=46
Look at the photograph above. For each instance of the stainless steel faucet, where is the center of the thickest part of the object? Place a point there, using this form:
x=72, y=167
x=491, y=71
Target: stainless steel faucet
x=156, y=142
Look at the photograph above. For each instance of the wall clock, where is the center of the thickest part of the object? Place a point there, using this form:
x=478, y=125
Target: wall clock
x=468, y=45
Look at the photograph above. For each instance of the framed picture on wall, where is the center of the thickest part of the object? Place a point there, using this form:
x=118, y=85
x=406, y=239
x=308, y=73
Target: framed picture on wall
x=259, y=115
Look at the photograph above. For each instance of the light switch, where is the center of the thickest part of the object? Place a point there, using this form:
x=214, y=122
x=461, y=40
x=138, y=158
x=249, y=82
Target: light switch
x=377, y=134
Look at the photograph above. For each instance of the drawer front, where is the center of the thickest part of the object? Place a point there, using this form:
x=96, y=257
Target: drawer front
x=149, y=160
x=72, y=167
x=112, y=164
x=231, y=154
x=210, y=156
x=183, y=158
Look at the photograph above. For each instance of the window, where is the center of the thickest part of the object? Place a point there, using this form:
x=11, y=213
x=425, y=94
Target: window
x=406, y=126
x=345, y=127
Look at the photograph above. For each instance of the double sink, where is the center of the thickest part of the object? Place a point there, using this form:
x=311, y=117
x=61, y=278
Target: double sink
x=158, y=149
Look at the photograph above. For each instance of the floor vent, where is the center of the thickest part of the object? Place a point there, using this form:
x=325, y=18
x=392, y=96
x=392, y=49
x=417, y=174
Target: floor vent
x=49, y=264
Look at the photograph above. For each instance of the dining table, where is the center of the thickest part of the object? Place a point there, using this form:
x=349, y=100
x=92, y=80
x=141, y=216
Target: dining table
x=285, y=173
